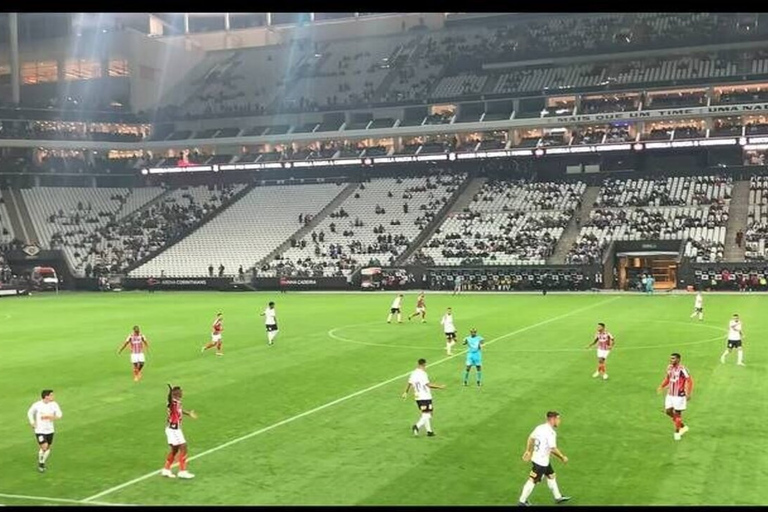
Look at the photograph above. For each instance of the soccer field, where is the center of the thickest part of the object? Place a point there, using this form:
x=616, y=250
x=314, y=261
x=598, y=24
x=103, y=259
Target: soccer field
x=318, y=418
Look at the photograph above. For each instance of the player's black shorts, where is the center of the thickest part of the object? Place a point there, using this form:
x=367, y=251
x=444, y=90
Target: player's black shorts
x=394, y=311
x=539, y=472
x=734, y=343
x=272, y=327
x=44, y=438
x=450, y=335
x=424, y=405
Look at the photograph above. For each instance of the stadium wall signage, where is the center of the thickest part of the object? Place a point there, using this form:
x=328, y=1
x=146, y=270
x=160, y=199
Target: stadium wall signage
x=180, y=283
x=300, y=283
x=661, y=114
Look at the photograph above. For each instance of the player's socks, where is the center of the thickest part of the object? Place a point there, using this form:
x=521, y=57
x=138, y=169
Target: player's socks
x=479, y=377
x=678, y=422
x=45, y=456
x=722, y=357
x=552, y=484
x=739, y=357
x=40, y=458
x=169, y=460
x=421, y=422
x=527, y=490
x=182, y=462
x=415, y=430
x=428, y=424
x=466, y=376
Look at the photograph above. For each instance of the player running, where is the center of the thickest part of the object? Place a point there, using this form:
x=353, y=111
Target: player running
x=450, y=331
x=217, y=327
x=605, y=343
x=41, y=416
x=421, y=309
x=679, y=392
x=541, y=444
x=139, y=344
x=395, y=309
x=270, y=321
x=735, y=334
x=698, y=306
x=475, y=345
x=175, y=436
x=422, y=390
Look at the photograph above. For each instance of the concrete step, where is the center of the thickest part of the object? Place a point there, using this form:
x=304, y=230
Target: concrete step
x=738, y=212
x=571, y=232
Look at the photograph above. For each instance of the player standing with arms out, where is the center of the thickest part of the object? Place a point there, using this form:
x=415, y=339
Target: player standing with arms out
x=422, y=391
x=450, y=331
x=698, y=306
x=139, y=344
x=41, y=416
x=175, y=436
x=541, y=444
x=679, y=392
x=474, y=344
x=421, y=308
x=217, y=327
x=605, y=343
x=270, y=320
x=735, y=333
x=395, y=309
x=457, y=284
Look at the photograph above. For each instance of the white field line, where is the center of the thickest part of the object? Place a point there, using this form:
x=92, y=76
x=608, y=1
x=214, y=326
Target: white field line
x=255, y=433
x=56, y=500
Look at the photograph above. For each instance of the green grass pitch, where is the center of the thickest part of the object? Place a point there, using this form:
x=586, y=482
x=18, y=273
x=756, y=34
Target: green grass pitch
x=324, y=406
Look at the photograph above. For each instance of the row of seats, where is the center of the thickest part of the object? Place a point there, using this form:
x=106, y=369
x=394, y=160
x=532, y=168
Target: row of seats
x=672, y=191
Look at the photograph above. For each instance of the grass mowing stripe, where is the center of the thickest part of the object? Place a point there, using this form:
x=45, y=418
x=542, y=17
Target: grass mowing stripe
x=340, y=400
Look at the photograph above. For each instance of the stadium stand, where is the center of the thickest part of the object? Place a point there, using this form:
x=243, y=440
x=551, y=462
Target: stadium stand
x=243, y=233
x=373, y=226
x=507, y=223
x=757, y=223
x=692, y=209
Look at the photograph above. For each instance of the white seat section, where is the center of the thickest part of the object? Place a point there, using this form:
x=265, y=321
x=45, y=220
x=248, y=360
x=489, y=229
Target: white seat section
x=120, y=244
x=244, y=233
x=507, y=223
x=690, y=208
x=351, y=246
x=757, y=220
x=70, y=215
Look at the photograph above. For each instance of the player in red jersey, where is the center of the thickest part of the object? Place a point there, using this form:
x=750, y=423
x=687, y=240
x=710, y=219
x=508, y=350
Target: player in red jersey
x=421, y=309
x=680, y=386
x=139, y=344
x=216, y=335
x=605, y=343
x=175, y=436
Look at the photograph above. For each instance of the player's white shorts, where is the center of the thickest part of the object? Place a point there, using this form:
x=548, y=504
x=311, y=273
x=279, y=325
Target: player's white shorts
x=215, y=338
x=137, y=358
x=675, y=402
x=603, y=354
x=175, y=436
x=421, y=310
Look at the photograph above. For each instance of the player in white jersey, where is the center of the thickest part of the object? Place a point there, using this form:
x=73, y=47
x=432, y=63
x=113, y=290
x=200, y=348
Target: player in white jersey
x=422, y=390
x=270, y=320
x=541, y=444
x=41, y=416
x=735, y=335
x=395, y=309
x=449, y=329
x=698, y=306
